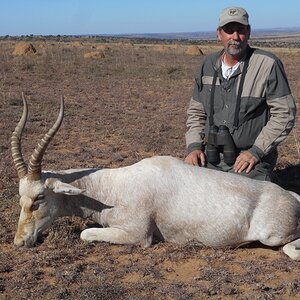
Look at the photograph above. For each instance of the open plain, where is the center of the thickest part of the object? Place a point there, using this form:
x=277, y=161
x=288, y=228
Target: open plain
x=124, y=101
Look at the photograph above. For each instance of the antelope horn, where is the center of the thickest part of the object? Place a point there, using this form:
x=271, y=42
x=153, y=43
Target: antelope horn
x=35, y=162
x=16, y=142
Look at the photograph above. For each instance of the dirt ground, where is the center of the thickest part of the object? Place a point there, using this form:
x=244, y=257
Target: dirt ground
x=120, y=108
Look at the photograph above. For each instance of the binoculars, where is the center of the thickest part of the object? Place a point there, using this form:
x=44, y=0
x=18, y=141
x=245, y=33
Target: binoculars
x=220, y=141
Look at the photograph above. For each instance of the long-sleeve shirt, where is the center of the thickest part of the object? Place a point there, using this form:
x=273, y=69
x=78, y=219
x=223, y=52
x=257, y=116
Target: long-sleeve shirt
x=267, y=110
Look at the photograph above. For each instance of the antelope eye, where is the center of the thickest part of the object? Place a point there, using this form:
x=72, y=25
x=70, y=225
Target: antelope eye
x=40, y=197
x=35, y=206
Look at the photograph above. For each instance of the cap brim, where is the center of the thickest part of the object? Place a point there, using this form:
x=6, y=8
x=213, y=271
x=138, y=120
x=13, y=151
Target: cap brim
x=232, y=20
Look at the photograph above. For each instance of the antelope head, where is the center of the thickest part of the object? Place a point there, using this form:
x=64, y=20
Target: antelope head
x=37, y=198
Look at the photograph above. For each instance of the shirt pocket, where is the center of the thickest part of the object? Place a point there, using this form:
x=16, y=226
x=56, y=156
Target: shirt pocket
x=205, y=95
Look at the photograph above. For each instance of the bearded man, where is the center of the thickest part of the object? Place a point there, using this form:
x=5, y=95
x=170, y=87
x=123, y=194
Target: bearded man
x=242, y=106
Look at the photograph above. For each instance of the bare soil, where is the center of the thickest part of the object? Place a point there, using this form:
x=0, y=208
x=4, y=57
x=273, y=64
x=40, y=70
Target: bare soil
x=120, y=109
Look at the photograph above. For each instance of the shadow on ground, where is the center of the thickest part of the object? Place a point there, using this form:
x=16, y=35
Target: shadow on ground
x=288, y=178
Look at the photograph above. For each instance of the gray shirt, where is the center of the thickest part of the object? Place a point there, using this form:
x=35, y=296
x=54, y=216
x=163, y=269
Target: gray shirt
x=267, y=110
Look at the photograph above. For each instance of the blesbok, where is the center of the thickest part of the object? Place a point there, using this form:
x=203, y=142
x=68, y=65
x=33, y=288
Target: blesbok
x=161, y=195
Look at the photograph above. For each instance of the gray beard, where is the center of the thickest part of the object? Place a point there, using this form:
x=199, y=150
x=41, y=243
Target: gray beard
x=238, y=50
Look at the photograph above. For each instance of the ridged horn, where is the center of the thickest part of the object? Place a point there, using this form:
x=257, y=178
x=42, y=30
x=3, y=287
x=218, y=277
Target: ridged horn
x=35, y=162
x=16, y=142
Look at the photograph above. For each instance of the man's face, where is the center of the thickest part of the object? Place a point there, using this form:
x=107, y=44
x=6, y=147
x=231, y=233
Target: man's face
x=234, y=37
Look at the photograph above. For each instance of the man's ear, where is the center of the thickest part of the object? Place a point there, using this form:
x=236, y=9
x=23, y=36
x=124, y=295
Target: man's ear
x=62, y=188
x=218, y=33
x=249, y=31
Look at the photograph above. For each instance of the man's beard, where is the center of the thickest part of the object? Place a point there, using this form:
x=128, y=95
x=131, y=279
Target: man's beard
x=237, y=50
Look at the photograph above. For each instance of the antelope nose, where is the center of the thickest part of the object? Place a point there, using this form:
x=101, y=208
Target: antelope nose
x=19, y=242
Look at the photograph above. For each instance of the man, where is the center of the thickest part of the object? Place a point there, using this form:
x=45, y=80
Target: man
x=243, y=93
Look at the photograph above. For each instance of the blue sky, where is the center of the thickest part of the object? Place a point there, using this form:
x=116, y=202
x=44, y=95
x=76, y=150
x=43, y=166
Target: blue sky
x=67, y=17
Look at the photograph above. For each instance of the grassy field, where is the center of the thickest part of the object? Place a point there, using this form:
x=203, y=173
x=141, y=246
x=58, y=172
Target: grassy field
x=124, y=101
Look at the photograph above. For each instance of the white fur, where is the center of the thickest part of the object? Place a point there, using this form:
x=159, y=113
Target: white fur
x=164, y=195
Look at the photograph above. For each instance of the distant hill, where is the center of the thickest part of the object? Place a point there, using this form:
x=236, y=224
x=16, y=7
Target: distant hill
x=275, y=37
x=211, y=35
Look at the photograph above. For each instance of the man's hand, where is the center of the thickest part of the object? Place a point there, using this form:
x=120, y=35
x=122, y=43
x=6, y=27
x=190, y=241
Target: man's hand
x=196, y=158
x=245, y=161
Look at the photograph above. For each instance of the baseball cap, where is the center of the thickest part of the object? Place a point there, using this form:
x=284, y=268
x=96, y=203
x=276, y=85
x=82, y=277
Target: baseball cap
x=233, y=14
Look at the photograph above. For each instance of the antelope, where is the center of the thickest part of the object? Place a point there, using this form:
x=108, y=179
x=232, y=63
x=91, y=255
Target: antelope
x=160, y=196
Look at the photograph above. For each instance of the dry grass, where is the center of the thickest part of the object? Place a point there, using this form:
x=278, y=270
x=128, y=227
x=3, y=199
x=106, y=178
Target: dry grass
x=119, y=109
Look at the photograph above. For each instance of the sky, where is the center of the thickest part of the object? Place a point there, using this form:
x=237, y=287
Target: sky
x=78, y=17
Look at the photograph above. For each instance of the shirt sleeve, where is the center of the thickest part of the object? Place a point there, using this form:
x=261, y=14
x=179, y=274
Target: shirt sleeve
x=282, y=110
x=196, y=118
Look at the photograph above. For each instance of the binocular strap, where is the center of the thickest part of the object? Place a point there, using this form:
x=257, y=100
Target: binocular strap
x=239, y=95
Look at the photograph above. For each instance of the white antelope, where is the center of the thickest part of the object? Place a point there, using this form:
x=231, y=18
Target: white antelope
x=156, y=195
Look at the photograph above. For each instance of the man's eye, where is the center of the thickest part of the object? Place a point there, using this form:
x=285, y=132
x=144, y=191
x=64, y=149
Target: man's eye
x=228, y=30
x=231, y=30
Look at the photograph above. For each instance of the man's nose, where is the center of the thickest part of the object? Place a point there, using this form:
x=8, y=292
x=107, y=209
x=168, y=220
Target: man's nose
x=235, y=35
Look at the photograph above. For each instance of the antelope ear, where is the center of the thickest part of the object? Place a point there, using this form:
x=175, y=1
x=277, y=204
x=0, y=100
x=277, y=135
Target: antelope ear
x=60, y=187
